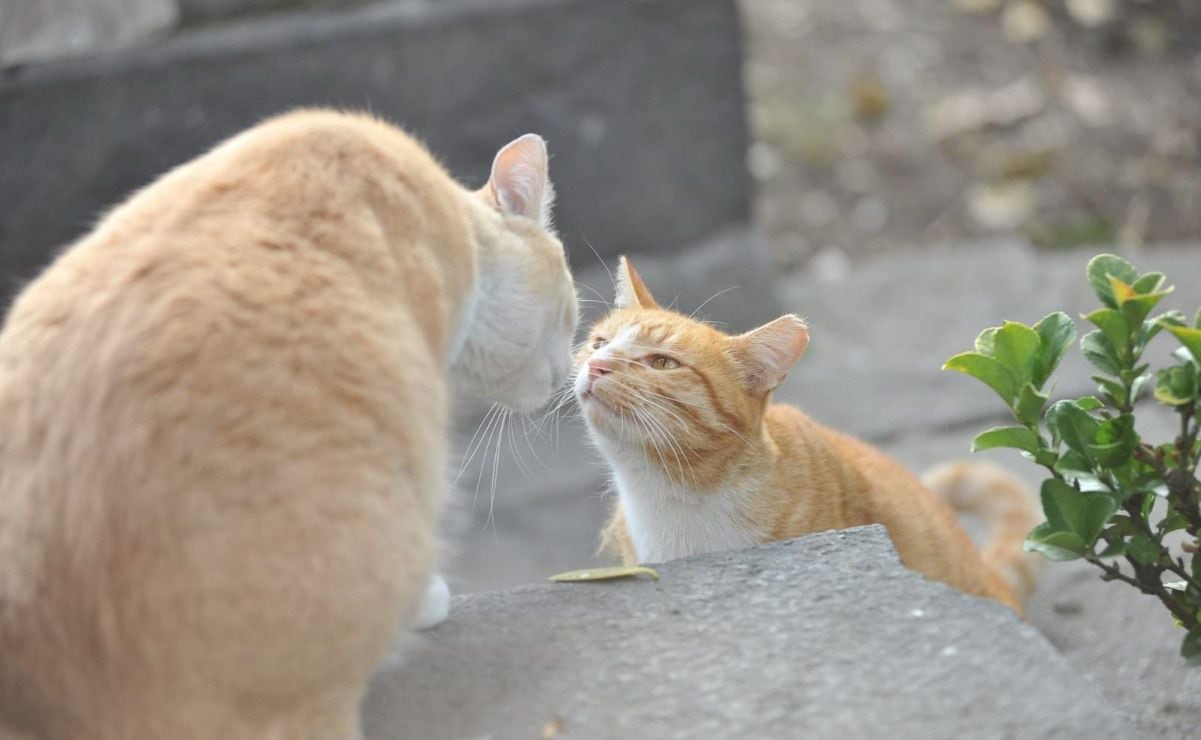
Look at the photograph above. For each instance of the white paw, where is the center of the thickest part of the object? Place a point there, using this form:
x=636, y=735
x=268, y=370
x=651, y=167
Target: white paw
x=435, y=604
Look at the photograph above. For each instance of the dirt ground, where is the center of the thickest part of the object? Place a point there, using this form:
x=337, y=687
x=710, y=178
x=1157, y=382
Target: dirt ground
x=881, y=124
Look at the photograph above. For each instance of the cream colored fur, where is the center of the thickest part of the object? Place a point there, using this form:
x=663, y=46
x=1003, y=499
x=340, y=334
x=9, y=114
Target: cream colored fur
x=223, y=422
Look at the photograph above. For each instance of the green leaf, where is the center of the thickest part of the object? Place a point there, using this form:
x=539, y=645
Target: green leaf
x=1056, y=332
x=1183, y=355
x=1113, y=550
x=1019, y=437
x=1190, y=648
x=1111, y=390
x=1096, y=348
x=1136, y=308
x=1072, y=464
x=1085, y=514
x=1149, y=283
x=1089, y=403
x=987, y=370
x=985, y=343
x=1073, y=425
x=1154, y=325
x=1114, y=441
x=1016, y=347
x=1113, y=324
x=1054, y=545
x=1136, y=387
x=1099, y=270
x=1120, y=525
x=1143, y=549
x=1173, y=522
x=1189, y=337
x=1046, y=457
x=1176, y=385
x=1120, y=289
x=1030, y=405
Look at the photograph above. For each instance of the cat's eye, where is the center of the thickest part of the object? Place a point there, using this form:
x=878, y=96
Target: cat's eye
x=659, y=362
x=599, y=342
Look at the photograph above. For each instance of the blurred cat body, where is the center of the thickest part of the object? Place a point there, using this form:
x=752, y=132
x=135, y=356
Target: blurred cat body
x=223, y=421
x=702, y=461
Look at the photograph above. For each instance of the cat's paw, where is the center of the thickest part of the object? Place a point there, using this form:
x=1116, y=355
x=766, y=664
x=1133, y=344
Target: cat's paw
x=435, y=604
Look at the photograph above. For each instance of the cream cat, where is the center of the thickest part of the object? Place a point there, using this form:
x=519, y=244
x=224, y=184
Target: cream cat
x=223, y=422
x=703, y=461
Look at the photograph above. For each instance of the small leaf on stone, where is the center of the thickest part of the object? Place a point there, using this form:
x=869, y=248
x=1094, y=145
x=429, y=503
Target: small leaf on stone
x=605, y=574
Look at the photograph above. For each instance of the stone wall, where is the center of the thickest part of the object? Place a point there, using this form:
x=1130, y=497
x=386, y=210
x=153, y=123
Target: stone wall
x=641, y=102
x=43, y=30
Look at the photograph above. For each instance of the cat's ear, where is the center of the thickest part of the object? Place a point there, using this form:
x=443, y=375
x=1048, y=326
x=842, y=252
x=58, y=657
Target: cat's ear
x=631, y=291
x=520, y=183
x=766, y=354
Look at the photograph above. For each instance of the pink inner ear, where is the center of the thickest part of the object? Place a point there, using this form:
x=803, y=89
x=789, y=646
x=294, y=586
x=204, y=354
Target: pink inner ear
x=773, y=349
x=519, y=177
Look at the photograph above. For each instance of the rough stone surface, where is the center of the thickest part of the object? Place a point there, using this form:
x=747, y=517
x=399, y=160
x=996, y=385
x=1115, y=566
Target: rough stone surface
x=827, y=636
x=194, y=11
x=42, y=30
x=641, y=103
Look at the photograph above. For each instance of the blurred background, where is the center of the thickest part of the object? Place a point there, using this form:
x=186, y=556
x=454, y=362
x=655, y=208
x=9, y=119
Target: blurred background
x=902, y=173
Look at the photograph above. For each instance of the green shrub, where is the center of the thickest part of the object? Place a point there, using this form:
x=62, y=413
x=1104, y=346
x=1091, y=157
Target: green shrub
x=1111, y=497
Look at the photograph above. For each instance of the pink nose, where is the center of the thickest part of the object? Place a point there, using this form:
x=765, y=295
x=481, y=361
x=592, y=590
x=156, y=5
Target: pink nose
x=597, y=368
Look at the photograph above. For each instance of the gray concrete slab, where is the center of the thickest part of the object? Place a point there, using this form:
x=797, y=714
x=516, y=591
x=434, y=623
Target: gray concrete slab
x=641, y=102
x=827, y=636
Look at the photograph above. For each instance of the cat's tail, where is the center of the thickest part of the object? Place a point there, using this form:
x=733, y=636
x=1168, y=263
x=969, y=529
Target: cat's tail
x=1007, y=506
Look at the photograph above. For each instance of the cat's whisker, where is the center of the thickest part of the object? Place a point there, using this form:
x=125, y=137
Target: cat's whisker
x=643, y=397
x=654, y=442
x=676, y=449
x=487, y=446
x=599, y=297
x=599, y=259
x=565, y=396
x=526, y=424
x=711, y=298
x=500, y=438
x=472, y=446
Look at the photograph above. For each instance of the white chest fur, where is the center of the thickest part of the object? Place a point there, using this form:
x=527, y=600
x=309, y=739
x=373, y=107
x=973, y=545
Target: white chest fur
x=667, y=522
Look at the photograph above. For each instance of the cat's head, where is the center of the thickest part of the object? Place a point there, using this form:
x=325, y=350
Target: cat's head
x=516, y=349
x=652, y=377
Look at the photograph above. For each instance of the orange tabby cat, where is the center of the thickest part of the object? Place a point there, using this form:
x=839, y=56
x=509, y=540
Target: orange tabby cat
x=703, y=461
x=223, y=419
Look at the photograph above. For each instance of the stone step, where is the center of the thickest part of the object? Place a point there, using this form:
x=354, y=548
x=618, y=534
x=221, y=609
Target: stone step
x=827, y=636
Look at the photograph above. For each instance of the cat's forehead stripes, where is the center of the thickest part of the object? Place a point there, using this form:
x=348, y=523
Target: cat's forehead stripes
x=646, y=333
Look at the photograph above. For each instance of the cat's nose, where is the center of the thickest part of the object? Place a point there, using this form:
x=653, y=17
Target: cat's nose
x=597, y=368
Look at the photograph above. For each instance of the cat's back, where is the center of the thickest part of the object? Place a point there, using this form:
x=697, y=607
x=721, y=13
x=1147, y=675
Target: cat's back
x=273, y=247
x=189, y=396
x=848, y=481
